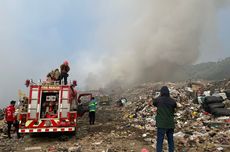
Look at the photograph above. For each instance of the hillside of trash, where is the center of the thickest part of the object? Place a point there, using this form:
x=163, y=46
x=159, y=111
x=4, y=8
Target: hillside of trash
x=127, y=123
x=202, y=117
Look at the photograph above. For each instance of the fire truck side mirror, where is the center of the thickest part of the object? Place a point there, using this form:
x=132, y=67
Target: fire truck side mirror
x=74, y=83
x=27, y=83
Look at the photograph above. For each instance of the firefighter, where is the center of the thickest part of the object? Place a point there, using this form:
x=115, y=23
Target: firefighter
x=64, y=72
x=92, y=110
x=56, y=74
x=11, y=118
x=50, y=76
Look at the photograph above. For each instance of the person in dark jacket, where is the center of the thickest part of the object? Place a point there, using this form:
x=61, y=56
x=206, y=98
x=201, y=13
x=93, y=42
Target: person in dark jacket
x=10, y=118
x=165, y=119
x=64, y=72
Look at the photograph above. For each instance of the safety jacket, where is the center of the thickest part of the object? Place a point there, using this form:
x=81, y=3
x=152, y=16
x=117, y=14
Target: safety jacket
x=9, y=113
x=92, y=105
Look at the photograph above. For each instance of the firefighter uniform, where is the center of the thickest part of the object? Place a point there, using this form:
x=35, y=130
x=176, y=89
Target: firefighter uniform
x=11, y=118
x=64, y=72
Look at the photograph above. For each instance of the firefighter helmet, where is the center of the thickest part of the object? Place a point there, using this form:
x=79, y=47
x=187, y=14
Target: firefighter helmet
x=66, y=62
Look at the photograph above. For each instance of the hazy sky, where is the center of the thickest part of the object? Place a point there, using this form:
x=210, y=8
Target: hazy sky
x=38, y=35
x=223, y=33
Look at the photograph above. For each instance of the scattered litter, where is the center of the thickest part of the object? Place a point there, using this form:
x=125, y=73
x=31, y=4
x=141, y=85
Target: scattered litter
x=32, y=148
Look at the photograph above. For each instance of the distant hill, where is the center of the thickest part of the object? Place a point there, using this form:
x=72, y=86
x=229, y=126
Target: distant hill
x=208, y=71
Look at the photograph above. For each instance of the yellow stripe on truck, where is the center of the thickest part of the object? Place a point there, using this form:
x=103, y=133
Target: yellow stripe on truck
x=28, y=122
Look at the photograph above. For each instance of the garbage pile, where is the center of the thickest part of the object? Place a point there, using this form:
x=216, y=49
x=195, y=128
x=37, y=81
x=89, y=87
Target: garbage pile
x=121, y=102
x=196, y=128
x=227, y=92
x=215, y=106
x=1, y=114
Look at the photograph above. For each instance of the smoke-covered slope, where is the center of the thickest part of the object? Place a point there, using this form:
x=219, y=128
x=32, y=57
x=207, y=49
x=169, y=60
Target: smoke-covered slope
x=153, y=40
x=209, y=71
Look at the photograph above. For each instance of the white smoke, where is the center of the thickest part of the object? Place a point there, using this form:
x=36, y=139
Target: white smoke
x=131, y=41
x=154, y=40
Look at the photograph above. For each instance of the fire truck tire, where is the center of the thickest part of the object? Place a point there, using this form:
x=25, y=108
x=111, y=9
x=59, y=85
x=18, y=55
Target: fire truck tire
x=22, y=135
x=64, y=138
x=32, y=135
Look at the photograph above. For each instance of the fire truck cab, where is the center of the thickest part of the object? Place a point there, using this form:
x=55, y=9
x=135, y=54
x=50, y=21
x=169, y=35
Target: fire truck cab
x=51, y=108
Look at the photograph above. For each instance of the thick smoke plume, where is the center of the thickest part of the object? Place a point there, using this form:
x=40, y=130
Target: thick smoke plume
x=108, y=43
x=154, y=41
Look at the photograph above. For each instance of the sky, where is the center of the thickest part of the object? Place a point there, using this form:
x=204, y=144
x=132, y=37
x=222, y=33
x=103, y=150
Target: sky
x=223, y=36
x=101, y=39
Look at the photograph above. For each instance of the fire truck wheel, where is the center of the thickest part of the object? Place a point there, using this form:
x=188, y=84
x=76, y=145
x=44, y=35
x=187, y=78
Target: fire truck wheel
x=63, y=138
x=32, y=135
x=73, y=133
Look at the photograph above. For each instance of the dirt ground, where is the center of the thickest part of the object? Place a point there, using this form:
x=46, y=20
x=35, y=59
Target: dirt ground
x=110, y=133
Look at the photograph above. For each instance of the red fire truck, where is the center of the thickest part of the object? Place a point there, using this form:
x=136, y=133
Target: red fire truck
x=51, y=108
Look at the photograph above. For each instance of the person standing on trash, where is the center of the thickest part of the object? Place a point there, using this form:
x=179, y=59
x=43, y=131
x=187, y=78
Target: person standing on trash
x=11, y=119
x=165, y=119
x=92, y=110
x=64, y=72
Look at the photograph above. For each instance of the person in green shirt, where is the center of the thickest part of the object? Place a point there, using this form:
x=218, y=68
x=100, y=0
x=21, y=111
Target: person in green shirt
x=165, y=118
x=92, y=110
